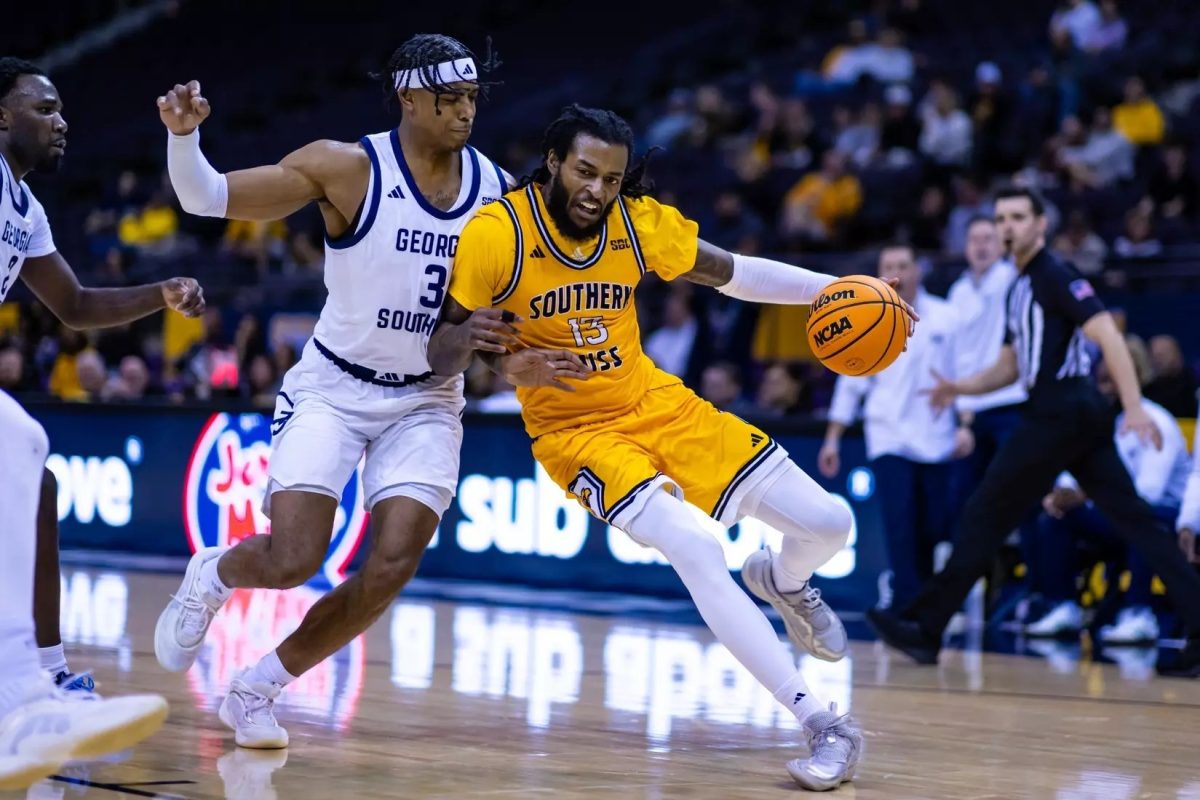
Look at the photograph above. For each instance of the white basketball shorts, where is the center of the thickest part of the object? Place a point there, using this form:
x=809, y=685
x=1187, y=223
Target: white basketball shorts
x=325, y=420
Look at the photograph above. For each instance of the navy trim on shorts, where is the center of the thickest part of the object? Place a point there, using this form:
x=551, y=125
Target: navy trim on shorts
x=743, y=473
x=624, y=503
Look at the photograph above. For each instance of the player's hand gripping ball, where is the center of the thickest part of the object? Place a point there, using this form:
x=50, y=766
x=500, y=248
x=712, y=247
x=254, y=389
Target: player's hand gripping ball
x=858, y=325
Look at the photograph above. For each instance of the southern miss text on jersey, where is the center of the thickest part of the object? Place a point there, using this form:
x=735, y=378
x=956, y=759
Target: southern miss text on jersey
x=574, y=295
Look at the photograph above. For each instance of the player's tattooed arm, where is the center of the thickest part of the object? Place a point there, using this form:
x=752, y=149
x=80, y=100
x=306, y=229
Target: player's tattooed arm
x=714, y=266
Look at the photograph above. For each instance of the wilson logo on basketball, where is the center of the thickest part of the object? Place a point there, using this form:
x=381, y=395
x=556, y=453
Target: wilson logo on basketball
x=825, y=299
x=225, y=484
x=832, y=331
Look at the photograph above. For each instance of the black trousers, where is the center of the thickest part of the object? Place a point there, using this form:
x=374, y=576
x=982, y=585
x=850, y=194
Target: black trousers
x=1066, y=426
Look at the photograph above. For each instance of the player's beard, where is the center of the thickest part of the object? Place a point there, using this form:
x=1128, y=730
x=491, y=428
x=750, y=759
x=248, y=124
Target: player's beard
x=557, y=206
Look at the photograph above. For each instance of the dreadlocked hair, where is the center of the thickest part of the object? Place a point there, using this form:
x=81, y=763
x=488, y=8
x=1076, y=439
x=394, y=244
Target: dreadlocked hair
x=12, y=68
x=607, y=126
x=423, y=52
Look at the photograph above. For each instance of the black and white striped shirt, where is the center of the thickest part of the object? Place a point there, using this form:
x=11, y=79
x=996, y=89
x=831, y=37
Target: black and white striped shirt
x=1047, y=305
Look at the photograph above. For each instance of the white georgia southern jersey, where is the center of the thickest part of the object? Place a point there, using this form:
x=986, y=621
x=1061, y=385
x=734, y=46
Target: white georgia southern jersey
x=24, y=229
x=387, y=275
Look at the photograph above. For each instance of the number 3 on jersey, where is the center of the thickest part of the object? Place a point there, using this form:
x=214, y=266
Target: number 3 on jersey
x=437, y=286
x=588, y=330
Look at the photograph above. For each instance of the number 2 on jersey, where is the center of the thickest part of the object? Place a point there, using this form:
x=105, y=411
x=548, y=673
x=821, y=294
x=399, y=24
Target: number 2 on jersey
x=588, y=330
x=437, y=286
x=12, y=264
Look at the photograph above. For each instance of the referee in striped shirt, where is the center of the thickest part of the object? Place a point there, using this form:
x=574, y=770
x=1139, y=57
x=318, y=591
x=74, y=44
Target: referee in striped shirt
x=1065, y=425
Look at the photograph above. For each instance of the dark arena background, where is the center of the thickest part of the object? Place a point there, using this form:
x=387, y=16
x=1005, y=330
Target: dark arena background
x=540, y=651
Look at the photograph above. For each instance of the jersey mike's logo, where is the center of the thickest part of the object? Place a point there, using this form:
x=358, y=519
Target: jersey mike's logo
x=227, y=480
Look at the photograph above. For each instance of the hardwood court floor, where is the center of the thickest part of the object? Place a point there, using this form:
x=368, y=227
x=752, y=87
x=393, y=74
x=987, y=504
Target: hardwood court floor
x=450, y=700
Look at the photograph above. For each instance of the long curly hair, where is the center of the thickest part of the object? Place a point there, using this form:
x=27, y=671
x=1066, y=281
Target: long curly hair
x=607, y=126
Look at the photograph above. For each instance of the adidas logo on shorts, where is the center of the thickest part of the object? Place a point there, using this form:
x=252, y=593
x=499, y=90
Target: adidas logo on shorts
x=756, y=440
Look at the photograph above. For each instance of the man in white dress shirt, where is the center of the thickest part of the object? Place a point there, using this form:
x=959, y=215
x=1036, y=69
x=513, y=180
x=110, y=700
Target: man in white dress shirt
x=911, y=447
x=978, y=296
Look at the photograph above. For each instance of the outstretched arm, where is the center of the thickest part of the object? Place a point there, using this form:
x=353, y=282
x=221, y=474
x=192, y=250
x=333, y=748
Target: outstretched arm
x=55, y=284
x=1000, y=374
x=758, y=280
x=322, y=170
x=761, y=280
x=1102, y=330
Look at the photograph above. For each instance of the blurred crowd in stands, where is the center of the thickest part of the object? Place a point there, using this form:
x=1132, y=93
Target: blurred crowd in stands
x=897, y=132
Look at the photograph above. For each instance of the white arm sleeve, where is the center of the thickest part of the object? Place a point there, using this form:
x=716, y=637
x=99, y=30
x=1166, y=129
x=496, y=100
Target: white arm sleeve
x=761, y=280
x=201, y=189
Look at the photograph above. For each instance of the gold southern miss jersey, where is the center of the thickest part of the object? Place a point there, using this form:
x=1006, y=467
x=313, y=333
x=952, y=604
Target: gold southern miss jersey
x=574, y=295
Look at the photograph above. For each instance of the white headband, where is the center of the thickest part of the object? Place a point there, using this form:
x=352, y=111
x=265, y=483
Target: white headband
x=461, y=69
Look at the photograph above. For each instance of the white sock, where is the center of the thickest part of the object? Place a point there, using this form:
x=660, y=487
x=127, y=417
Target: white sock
x=269, y=669
x=22, y=455
x=53, y=659
x=784, y=570
x=211, y=583
x=798, y=698
x=666, y=523
x=815, y=526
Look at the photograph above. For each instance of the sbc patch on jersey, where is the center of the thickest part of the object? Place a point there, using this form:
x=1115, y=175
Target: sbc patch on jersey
x=226, y=482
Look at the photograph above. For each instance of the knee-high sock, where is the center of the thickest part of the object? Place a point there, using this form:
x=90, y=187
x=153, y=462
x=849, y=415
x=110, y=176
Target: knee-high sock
x=814, y=525
x=667, y=524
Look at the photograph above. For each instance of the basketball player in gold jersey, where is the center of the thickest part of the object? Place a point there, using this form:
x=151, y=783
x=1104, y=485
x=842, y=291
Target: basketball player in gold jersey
x=564, y=255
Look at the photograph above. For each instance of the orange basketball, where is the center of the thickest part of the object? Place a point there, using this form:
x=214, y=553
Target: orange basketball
x=857, y=325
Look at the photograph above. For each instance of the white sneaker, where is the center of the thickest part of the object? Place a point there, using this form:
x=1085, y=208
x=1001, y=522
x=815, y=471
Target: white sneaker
x=51, y=727
x=184, y=622
x=836, y=746
x=811, y=624
x=1065, y=618
x=249, y=710
x=1135, y=625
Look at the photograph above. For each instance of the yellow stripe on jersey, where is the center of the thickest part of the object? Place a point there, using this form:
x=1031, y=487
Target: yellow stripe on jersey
x=574, y=295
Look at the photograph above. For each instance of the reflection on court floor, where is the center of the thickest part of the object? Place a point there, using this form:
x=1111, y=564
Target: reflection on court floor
x=550, y=701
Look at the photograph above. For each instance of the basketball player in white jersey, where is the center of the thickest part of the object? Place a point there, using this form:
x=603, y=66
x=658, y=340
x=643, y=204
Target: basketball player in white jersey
x=42, y=726
x=393, y=204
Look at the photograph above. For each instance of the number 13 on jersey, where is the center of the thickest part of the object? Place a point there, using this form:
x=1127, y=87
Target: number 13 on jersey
x=591, y=331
